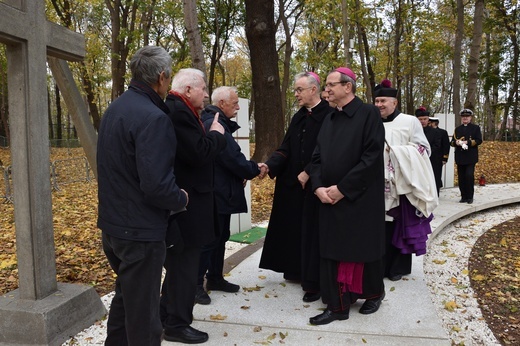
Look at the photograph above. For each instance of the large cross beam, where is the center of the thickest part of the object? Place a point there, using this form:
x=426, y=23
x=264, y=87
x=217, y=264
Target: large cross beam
x=52, y=311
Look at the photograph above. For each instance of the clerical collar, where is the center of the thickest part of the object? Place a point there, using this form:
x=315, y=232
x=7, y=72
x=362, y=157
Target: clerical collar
x=392, y=116
x=310, y=109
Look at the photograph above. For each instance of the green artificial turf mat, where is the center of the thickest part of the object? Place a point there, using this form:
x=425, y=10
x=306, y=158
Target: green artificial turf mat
x=249, y=236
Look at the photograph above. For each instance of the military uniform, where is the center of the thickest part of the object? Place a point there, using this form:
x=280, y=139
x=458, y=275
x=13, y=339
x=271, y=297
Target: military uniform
x=466, y=157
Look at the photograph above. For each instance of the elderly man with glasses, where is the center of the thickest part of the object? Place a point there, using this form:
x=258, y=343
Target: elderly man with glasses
x=291, y=241
x=347, y=177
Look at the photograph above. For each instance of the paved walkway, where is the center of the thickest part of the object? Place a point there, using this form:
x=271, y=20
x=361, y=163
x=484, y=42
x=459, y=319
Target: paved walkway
x=269, y=310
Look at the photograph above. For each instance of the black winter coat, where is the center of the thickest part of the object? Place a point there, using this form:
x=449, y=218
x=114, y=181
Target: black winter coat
x=231, y=166
x=445, y=144
x=282, y=247
x=135, y=155
x=197, y=150
x=349, y=154
x=470, y=133
x=434, y=138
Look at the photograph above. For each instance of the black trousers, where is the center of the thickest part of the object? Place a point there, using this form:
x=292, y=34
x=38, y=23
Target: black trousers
x=134, y=313
x=396, y=263
x=212, y=255
x=336, y=300
x=437, y=172
x=466, y=176
x=179, y=287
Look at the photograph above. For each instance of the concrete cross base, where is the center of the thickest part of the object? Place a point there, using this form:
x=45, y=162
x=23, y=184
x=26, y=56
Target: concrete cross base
x=49, y=321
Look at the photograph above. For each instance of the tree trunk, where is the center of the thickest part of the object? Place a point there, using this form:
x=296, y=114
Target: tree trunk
x=122, y=21
x=65, y=14
x=345, y=31
x=90, y=94
x=512, y=98
x=457, y=59
x=49, y=114
x=146, y=21
x=4, y=123
x=397, y=44
x=364, y=56
x=192, y=31
x=286, y=63
x=59, y=126
x=260, y=33
x=516, y=84
x=474, y=55
x=220, y=25
x=490, y=91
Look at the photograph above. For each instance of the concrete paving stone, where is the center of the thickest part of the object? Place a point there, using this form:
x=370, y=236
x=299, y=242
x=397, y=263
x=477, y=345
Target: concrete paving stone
x=270, y=310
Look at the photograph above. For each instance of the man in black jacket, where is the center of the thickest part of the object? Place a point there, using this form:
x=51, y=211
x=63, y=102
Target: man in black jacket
x=441, y=158
x=466, y=139
x=435, y=140
x=232, y=169
x=137, y=190
x=196, y=227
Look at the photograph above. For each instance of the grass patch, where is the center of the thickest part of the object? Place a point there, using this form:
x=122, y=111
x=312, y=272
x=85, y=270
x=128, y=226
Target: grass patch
x=249, y=236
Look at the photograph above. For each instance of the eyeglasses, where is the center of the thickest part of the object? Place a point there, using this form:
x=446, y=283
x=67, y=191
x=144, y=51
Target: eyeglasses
x=299, y=90
x=332, y=84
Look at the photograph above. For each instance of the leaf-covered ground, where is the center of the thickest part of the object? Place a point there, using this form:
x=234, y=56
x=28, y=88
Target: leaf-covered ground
x=494, y=268
x=80, y=259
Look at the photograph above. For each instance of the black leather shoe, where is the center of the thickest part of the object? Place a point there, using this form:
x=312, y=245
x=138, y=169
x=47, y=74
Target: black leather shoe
x=395, y=277
x=371, y=305
x=311, y=296
x=186, y=335
x=469, y=201
x=221, y=285
x=201, y=296
x=328, y=316
x=463, y=200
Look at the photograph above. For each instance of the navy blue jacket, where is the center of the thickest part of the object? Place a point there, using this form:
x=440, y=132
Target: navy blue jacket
x=135, y=156
x=231, y=167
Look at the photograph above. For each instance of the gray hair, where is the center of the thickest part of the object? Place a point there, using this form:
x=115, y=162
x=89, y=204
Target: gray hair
x=310, y=78
x=222, y=93
x=187, y=77
x=343, y=78
x=148, y=62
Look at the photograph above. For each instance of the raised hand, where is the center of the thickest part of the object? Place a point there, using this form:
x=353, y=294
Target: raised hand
x=215, y=125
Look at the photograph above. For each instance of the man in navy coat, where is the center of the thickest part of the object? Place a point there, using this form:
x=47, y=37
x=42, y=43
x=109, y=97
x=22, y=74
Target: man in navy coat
x=232, y=170
x=137, y=190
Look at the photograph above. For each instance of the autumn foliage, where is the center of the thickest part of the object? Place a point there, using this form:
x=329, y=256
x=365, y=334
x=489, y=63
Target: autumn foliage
x=79, y=256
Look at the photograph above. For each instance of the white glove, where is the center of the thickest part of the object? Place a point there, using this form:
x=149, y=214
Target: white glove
x=464, y=146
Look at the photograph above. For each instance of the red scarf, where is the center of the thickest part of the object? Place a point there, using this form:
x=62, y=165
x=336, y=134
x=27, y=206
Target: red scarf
x=190, y=106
